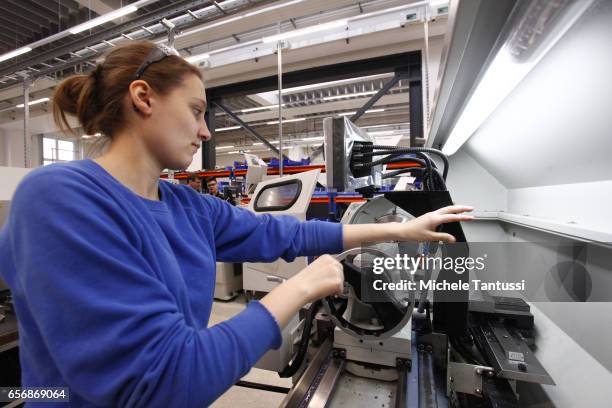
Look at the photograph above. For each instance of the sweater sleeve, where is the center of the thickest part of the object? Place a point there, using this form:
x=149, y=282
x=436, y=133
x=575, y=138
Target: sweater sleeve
x=241, y=235
x=109, y=322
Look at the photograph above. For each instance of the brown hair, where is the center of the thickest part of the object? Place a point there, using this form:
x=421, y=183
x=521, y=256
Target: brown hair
x=96, y=99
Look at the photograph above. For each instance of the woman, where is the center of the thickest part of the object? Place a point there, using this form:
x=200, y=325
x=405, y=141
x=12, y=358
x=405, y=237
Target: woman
x=113, y=272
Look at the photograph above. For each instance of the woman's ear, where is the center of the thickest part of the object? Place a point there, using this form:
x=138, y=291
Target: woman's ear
x=140, y=96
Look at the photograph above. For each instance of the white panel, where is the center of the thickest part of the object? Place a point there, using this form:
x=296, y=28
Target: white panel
x=555, y=127
x=470, y=184
x=579, y=205
x=581, y=380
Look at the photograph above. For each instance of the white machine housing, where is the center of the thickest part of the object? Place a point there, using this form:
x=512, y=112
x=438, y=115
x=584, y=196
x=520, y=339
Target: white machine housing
x=263, y=277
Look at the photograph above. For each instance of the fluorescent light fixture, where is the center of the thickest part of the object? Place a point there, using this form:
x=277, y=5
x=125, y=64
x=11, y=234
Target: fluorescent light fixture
x=223, y=129
x=225, y=147
x=310, y=139
x=197, y=58
x=14, y=53
x=34, y=102
x=264, y=10
x=333, y=98
x=304, y=31
x=384, y=133
x=387, y=125
x=368, y=111
x=327, y=84
x=104, y=18
x=260, y=108
x=234, y=152
x=258, y=144
x=275, y=122
x=506, y=71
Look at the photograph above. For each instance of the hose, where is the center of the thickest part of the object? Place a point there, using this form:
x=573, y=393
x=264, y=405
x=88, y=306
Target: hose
x=293, y=367
x=419, y=149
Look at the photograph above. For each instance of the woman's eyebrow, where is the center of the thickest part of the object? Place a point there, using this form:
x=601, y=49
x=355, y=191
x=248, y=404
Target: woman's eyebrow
x=202, y=101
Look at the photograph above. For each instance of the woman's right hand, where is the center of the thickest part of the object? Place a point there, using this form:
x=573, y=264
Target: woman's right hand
x=323, y=277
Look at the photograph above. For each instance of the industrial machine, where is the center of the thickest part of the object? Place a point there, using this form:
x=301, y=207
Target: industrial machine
x=396, y=347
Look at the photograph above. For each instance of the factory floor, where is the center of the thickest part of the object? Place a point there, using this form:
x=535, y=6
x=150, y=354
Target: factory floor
x=240, y=396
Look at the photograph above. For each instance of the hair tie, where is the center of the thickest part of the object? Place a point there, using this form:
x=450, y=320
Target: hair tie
x=96, y=74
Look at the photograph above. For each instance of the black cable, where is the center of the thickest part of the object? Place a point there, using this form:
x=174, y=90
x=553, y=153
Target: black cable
x=419, y=149
x=401, y=171
x=383, y=152
x=293, y=367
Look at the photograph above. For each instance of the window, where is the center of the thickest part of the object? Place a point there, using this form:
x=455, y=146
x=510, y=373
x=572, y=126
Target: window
x=55, y=150
x=278, y=196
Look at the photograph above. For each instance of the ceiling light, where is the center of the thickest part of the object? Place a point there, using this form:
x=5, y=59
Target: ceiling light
x=309, y=139
x=368, y=111
x=510, y=65
x=264, y=10
x=197, y=58
x=257, y=144
x=387, y=125
x=304, y=31
x=34, y=102
x=261, y=108
x=225, y=147
x=223, y=129
x=333, y=98
x=104, y=18
x=14, y=53
x=275, y=122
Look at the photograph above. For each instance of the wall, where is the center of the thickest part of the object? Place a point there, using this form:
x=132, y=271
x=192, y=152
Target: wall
x=9, y=179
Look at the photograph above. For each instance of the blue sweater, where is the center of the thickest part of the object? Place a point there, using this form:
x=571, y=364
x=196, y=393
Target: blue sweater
x=113, y=292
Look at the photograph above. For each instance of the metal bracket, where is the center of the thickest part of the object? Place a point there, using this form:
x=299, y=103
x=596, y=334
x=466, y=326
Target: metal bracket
x=466, y=378
x=171, y=31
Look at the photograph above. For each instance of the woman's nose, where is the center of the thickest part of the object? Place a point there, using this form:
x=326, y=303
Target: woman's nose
x=204, y=133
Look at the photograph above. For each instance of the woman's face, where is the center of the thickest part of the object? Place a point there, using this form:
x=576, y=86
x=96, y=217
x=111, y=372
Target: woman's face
x=176, y=128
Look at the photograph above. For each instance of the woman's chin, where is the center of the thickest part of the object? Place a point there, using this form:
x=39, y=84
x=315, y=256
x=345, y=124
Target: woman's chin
x=179, y=164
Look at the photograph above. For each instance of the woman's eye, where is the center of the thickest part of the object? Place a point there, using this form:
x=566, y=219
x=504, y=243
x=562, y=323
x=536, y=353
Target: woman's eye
x=197, y=111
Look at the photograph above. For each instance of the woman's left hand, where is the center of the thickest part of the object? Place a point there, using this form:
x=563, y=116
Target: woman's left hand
x=424, y=227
